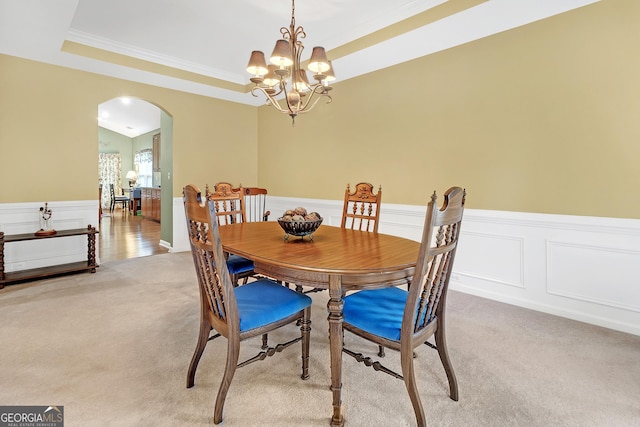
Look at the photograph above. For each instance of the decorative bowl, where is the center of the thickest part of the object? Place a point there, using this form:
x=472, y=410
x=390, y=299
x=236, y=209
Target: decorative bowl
x=299, y=228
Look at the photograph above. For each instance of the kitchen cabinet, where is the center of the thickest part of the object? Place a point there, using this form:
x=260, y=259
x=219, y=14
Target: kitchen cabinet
x=150, y=198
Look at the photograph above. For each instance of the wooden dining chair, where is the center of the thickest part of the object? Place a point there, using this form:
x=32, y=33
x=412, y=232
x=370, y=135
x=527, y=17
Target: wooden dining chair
x=115, y=199
x=236, y=313
x=229, y=203
x=255, y=203
x=361, y=209
x=403, y=320
x=229, y=209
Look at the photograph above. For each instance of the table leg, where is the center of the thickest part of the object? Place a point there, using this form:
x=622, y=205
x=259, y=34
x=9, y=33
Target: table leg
x=91, y=248
x=335, y=318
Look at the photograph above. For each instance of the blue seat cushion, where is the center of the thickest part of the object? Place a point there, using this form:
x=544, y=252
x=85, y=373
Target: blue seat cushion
x=265, y=301
x=377, y=311
x=237, y=264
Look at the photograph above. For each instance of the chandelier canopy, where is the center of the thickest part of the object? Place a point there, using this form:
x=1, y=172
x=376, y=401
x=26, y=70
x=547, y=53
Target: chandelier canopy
x=284, y=75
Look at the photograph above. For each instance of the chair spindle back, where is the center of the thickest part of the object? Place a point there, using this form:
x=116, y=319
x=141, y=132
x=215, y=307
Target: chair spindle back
x=361, y=210
x=255, y=204
x=214, y=281
x=427, y=293
x=228, y=203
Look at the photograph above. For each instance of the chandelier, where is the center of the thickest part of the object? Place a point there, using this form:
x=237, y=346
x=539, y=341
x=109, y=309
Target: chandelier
x=284, y=75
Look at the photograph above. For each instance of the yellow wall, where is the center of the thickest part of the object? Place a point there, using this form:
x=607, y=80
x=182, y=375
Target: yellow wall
x=543, y=118
x=49, y=133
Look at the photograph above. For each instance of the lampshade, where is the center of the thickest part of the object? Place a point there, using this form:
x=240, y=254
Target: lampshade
x=318, y=62
x=281, y=55
x=328, y=75
x=271, y=78
x=131, y=175
x=302, y=83
x=257, y=65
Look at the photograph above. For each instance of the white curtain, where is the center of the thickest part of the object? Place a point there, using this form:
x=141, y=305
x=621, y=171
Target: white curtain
x=109, y=172
x=143, y=160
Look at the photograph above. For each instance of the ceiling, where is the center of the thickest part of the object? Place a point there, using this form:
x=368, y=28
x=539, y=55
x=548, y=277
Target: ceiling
x=129, y=116
x=203, y=46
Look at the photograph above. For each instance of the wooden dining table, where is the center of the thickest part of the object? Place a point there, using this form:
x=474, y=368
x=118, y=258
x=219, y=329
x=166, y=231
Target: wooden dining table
x=332, y=258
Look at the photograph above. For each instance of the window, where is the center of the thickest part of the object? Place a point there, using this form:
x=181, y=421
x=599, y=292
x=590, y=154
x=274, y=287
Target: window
x=144, y=164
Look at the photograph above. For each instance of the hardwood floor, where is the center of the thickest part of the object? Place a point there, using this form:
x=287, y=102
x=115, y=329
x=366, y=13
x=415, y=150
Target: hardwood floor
x=125, y=236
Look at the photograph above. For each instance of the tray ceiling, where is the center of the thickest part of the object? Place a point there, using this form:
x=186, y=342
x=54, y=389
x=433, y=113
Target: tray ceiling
x=202, y=47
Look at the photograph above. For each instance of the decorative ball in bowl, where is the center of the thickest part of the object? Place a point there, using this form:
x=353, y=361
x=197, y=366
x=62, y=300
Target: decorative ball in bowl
x=297, y=222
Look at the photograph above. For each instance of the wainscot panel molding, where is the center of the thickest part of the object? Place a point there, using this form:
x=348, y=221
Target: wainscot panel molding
x=19, y=218
x=581, y=268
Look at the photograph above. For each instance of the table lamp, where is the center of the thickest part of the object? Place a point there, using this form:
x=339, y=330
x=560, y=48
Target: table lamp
x=132, y=177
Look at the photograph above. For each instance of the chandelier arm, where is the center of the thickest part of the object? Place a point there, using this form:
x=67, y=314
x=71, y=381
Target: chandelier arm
x=270, y=98
x=314, y=104
x=289, y=110
x=264, y=90
x=310, y=96
x=317, y=89
x=315, y=99
x=283, y=86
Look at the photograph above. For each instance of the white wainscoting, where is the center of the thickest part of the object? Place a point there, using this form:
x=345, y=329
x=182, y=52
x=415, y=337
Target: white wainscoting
x=582, y=268
x=19, y=218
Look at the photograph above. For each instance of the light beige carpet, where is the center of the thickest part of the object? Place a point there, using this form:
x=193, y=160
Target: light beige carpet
x=113, y=348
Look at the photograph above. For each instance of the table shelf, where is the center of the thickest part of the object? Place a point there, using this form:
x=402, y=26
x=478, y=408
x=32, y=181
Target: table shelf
x=54, y=270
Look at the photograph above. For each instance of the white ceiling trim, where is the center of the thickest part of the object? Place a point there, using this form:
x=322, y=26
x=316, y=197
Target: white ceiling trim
x=155, y=57
x=338, y=36
x=121, y=72
x=464, y=27
x=37, y=29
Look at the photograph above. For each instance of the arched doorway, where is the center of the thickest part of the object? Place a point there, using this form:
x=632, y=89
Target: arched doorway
x=135, y=140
